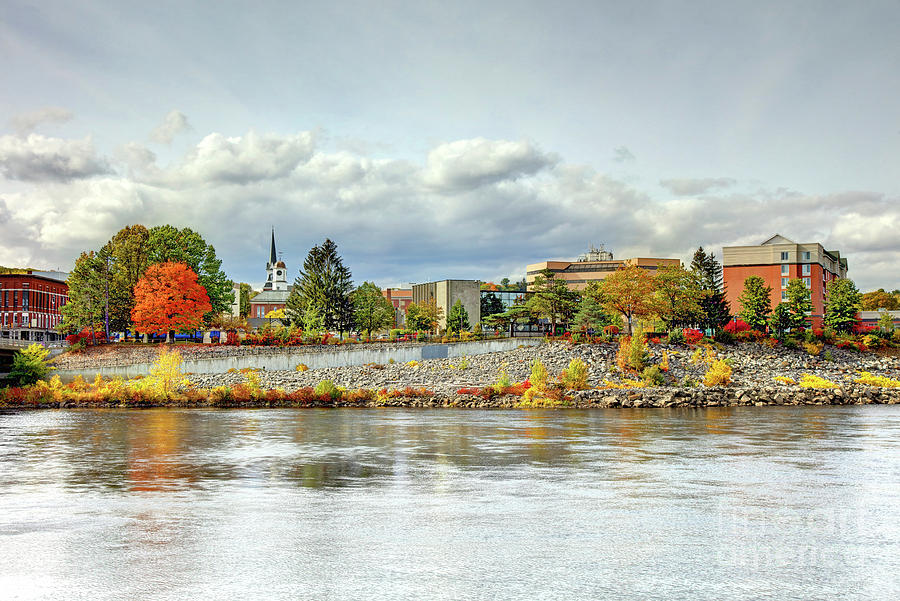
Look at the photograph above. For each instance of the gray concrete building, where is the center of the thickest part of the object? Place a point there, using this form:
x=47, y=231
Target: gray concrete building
x=446, y=292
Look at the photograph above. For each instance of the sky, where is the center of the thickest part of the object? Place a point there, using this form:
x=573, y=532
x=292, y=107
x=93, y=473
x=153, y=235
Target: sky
x=435, y=140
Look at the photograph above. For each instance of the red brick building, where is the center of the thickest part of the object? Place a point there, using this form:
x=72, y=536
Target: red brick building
x=400, y=299
x=30, y=304
x=777, y=261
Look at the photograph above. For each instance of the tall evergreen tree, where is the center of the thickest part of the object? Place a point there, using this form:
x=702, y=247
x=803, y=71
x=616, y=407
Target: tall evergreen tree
x=708, y=269
x=716, y=310
x=323, y=288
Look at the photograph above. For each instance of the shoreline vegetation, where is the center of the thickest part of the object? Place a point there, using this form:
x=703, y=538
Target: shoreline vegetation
x=631, y=371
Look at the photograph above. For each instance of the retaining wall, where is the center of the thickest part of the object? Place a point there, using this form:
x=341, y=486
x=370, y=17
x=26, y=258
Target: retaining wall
x=340, y=356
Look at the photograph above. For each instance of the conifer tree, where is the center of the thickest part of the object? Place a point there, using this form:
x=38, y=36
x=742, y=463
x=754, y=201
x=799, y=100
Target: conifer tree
x=323, y=287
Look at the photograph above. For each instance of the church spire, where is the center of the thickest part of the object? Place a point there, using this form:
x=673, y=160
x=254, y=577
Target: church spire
x=273, y=258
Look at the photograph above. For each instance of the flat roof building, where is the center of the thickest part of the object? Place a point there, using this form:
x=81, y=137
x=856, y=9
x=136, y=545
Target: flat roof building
x=445, y=293
x=777, y=261
x=31, y=303
x=592, y=266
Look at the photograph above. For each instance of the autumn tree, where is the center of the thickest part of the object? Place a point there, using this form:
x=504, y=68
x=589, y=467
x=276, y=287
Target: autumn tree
x=676, y=296
x=843, y=304
x=879, y=299
x=372, y=311
x=425, y=315
x=627, y=292
x=169, y=298
x=552, y=299
x=755, y=301
x=167, y=243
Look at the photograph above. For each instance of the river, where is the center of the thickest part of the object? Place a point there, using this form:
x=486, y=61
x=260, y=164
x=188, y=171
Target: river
x=725, y=503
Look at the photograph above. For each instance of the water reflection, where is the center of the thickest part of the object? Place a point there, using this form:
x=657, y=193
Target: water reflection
x=667, y=504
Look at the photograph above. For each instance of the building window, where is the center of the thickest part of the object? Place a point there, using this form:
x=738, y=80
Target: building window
x=806, y=268
x=806, y=282
x=784, y=255
x=784, y=295
x=806, y=256
x=784, y=282
x=785, y=269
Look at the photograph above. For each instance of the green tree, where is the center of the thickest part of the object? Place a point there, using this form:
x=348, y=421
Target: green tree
x=781, y=319
x=552, y=299
x=798, y=303
x=30, y=365
x=708, y=270
x=843, y=304
x=716, y=310
x=423, y=316
x=85, y=307
x=323, y=287
x=677, y=293
x=245, y=299
x=373, y=311
x=128, y=254
x=457, y=318
x=591, y=315
x=755, y=301
x=885, y=322
x=627, y=292
x=168, y=244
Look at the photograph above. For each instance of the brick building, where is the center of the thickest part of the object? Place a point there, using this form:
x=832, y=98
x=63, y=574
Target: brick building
x=592, y=266
x=400, y=298
x=777, y=261
x=30, y=305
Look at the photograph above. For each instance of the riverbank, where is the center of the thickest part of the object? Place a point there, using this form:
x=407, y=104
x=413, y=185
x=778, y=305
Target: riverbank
x=760, y=376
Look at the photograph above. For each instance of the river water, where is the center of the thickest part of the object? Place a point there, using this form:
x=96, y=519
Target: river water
x=732, y=503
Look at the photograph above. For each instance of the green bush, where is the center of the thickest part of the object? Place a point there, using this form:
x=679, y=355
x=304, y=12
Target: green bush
x=676, y=337
x=327, y=388
x=652, y=376
x=30, y=365
x=724, y=337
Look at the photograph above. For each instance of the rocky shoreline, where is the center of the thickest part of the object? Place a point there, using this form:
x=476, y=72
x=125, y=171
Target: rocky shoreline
x=455, y=382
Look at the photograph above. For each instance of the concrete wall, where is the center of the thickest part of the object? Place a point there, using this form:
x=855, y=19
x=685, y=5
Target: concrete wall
x=446, y=292
x=341, y=356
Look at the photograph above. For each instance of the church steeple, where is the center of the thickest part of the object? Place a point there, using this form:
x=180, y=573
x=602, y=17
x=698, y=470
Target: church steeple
x=275, y=270
x=273, y=258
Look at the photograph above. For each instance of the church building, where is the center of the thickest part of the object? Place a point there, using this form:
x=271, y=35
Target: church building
x=275, y=291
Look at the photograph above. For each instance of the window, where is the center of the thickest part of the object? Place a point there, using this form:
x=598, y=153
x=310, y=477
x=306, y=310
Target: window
x=784, y=282
x=784, y=255
x=807, y=282
x=806, y=256
x=785, y=269
x=784, y=295
x=806, y=268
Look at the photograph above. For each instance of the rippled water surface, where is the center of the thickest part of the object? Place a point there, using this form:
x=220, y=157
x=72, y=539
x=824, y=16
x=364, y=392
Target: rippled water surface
x=736, y=503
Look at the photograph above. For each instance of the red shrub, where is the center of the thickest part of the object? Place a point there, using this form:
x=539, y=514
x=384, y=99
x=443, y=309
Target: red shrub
x=611, y=330
x=692, y=335
x=733, y=327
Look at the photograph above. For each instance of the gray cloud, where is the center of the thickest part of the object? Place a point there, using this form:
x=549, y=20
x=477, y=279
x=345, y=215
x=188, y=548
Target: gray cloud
x=173, y=124
x=623, y=155
x=38, y=158
x=26, y=123
x=468, y=164
x=694, y=186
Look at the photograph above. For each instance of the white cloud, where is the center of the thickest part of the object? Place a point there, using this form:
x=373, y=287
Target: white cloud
x=693, y=186
x=37, y=158
x=173, y=124
x=467, y=164
x=26, y=123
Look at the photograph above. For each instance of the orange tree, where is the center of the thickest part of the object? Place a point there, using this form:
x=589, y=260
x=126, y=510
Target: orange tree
x=168, y=298
x=627, y=291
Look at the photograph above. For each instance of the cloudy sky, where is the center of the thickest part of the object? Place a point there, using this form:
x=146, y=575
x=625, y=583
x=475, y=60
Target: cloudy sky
x=452, y=139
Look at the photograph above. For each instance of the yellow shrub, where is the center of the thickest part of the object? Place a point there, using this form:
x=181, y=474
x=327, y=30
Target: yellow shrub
x=664, y=364
x=300, y=367
x=165, y=373
x=784, y=380
x=870, y=379
x=412, y=363
x=538, y=377
x=813, y=348
x=811, y=381
x=718, y=374
x=575, y=376
x=624, y=384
